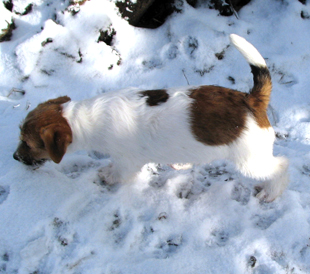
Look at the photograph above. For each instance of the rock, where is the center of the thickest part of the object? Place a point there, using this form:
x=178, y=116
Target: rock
x=192, y=2
x=6, y=23
x=107, y=35
x=145, y=13
x=227, y=7
x=148, y=13
x=26, y=11
x=153, y=13
x=8, y=4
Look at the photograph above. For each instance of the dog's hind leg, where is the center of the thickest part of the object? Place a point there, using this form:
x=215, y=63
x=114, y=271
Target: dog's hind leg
x=272, y=171
x=273, y=186
x=253, y=156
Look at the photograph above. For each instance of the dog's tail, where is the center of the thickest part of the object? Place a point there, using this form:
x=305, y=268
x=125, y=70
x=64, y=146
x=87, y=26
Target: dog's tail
x=260, y=93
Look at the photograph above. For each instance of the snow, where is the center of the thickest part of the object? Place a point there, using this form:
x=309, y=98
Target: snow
x=62, y=219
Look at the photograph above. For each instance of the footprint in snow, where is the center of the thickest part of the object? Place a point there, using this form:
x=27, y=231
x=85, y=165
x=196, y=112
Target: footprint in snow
x=63, y=233
x=202, y=178
x=75, y=166
x=77, y=169
x=159, y=175
x=263, y=269
x=197, y=179
x=171, y=52
x=4, y=193
x=190, y=46
x=265, y=221
x=241, y=194
x=218, y=238
x=4, y=260
x=166, y=248
x=118, y=226
x=306, y=170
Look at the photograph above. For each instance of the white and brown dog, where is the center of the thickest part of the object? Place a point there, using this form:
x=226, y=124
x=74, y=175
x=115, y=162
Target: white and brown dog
x=189, y=125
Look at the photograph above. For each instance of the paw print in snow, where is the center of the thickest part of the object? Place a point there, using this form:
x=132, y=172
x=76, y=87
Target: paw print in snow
x=4, y=193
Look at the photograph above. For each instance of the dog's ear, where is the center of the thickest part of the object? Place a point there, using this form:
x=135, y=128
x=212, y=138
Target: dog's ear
x=56, y=139
x=59, y=100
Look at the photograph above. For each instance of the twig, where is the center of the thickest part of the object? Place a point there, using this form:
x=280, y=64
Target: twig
x=16, y=90
x=233, y=9
x=185, y=76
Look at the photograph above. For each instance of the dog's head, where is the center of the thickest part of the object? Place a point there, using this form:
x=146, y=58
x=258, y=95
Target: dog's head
x=45, y=134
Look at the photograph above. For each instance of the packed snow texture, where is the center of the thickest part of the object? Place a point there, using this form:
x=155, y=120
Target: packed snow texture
x=206, y=219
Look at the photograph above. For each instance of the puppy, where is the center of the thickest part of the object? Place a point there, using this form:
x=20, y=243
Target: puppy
x=183, y=125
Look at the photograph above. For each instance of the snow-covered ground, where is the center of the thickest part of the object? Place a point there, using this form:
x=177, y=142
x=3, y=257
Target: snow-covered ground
x=62, y=219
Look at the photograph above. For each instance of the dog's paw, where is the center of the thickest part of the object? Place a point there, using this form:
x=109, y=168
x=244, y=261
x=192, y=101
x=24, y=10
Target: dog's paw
x=264, y=196
x=107, y=175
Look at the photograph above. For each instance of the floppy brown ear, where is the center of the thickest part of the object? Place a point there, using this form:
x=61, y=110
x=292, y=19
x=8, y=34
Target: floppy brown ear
x=56, y=139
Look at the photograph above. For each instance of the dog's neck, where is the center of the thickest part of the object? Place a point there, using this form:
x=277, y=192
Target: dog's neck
x=86, y=119
x=106, y=119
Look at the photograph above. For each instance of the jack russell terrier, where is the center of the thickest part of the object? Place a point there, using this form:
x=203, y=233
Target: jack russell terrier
x=179, y=125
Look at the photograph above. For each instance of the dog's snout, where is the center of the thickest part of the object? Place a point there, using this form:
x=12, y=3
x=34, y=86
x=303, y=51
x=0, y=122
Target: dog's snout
x=16, y=156
x=28, y=161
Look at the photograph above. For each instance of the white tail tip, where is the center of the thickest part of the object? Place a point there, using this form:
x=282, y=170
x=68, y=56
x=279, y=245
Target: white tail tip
x=249, y=52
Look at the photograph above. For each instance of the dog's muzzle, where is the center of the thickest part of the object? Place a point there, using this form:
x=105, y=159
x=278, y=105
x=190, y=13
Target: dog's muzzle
x=28, y=161
x=16, y=157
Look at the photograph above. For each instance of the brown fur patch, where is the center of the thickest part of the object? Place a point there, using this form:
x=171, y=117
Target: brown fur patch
x=260, y=114
x=32, y=147
x=155, y=97
x=218, y=114
x=259, y=96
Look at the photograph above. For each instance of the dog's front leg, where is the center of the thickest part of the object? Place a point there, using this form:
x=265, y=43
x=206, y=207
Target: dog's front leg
x=109, y=174
x=275, y=185
x=117, y=172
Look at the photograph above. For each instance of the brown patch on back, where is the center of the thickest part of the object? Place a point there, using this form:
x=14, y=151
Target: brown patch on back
x=43, y=128
x=218, y=114
x=155, y=97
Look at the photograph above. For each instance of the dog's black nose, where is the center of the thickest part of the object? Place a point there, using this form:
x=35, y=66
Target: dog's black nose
x=16, y=157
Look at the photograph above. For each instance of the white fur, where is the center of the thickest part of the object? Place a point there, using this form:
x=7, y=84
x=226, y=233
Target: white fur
x=252, y=154
x=133, y=133
x=249, y=52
